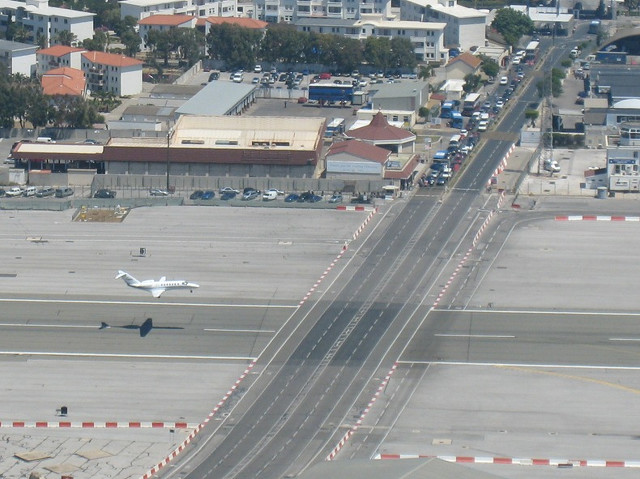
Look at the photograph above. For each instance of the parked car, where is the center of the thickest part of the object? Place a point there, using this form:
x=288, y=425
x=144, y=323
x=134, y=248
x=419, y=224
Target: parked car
x=228, y=189
x=196, y=195
x=104, y=193
x=64, y=192
x=228, y=195
x=291, y=198
x=337, y=198
x=158, y=192
x=250, y=194
x=504, y=81
x=269, y=195
x=13, y=192
x=208, y=195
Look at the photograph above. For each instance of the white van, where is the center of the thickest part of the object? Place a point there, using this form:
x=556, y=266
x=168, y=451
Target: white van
x=45, y=139
x=29, y=191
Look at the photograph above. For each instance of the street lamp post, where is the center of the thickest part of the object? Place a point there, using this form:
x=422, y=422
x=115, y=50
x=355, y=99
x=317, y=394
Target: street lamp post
x=168, y=158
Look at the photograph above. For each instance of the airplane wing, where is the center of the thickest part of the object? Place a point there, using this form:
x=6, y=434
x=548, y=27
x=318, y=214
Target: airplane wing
x=157, y=292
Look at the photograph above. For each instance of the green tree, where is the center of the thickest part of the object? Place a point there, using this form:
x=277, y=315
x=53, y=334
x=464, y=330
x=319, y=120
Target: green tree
x=98, y=43
x=283, y=43
x=402, y=54
x=471, y=82
x=377, y=52
x=532, y=116
x=65, y=37
x=512, y=25
x=236, y=46
x=489, y=66
x=131, y=42
x=425, y=72
x=39, y=111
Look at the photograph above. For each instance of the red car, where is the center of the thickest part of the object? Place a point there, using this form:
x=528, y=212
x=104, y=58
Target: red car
x=325, y=76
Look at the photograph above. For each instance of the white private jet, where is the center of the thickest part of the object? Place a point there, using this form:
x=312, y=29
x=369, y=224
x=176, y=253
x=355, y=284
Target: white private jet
x=156, y=288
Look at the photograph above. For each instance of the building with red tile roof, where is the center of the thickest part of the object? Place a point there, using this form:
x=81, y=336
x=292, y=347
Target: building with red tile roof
x=463, y=65
x=380, y=133
x=64, y=81
x=58, y=56
x=355, y=158
x=108, y=72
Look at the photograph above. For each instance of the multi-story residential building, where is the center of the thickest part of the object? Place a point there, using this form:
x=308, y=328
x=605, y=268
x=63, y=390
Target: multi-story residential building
x=427, y=38
x=140, y=9
x=113, y=73
x=43, y=23
x=58, y=56
x=465, y=27
x=18, y=57
x=293, y=10
x=163, y=23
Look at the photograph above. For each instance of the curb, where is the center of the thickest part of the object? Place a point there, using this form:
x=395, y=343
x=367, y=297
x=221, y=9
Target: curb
x=502, y=165
x=518, y=461
x=97, y=425
x=597, y=218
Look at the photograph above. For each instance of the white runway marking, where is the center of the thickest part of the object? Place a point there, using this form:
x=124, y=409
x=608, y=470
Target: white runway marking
x=490, y=336
x=35, y=325
x=540, y=313
x=143, y=303
x=624, y=339
x=523, y=365
x=268, y=331
x=125, y=356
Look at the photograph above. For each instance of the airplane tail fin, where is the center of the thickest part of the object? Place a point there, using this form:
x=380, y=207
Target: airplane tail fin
x=130, y=280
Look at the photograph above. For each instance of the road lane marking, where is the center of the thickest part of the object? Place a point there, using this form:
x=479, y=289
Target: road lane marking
x=126, y=356
x=490, y=336
x=143, y=303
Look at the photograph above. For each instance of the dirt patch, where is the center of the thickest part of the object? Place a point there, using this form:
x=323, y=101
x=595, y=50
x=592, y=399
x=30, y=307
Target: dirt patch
x=101, y=215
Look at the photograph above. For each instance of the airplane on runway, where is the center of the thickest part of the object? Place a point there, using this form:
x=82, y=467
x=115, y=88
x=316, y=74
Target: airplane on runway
x=156, y=288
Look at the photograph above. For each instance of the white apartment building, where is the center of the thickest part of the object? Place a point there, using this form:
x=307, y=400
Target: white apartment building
x=274, y=11
x=162, y=23
x=427, y=38
x=140, y=9
x=18, y=57
x=113, y=73
x=58, y=56
x=466, y=27
x=42, y=21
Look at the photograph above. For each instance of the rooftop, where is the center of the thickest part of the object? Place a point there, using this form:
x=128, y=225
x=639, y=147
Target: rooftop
x=360, y=149
x=239, y=132
x=457, y=11
x=379, y=131
x=216, y=98
x=111, y=59
x=6, y=45
x=46, y=10
x=239, y=21
x=406, y=88
x=59, y=50
x=168, y=20
x=63, y=81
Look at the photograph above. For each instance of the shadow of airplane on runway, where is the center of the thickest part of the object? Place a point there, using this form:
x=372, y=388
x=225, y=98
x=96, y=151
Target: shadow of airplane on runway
x=145, y=328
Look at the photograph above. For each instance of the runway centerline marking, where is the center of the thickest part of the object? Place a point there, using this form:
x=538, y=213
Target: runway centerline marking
x=220, y=330
x=37, y=325
x=481, y=336
x=126, y=356
x=143, y=303
x=521, y=365
x=624, y=339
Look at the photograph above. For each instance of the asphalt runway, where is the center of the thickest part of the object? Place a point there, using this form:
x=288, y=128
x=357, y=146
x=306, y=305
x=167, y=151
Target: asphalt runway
x=70, y=334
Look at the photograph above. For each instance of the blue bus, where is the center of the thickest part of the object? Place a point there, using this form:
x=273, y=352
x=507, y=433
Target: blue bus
x=457, y=120
x=331, y=93
x=446, y=109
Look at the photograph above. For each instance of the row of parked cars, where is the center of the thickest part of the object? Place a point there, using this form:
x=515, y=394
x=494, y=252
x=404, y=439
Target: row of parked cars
x=248, y=194
x=31, y=191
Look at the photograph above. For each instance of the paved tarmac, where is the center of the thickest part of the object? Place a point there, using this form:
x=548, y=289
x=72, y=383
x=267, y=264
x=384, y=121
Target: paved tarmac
x=71, y=335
